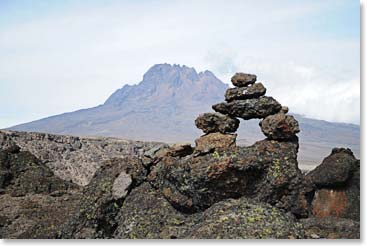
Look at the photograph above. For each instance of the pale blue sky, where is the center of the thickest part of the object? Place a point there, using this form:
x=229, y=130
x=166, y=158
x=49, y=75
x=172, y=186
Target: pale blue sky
x=60, y=56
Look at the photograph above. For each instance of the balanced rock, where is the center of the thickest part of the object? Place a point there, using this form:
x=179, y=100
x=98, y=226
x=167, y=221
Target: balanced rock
x=216, y=122
x=215, y=142
x=243, y=79
x=254, y=91
x=249, y=108
x=279, y=126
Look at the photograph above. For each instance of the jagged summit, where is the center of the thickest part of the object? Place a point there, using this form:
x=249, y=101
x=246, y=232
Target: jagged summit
x=164, y=81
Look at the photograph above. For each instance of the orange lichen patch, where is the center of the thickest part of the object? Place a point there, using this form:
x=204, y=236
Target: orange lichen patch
x=328, y=202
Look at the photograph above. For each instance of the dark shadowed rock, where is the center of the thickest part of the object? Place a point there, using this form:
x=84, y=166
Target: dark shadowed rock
x=334, y=170
x=21, y=173
x=146, y=214
x=336, y=185
x=243, y=79
x=33, y=201
x=238, y=93
x=266, y=171
x=279, y=126
x=103, y=197
x=255, y=108
x=331, y=228
x=180, y=150
x=215, y=142
x=216, y=122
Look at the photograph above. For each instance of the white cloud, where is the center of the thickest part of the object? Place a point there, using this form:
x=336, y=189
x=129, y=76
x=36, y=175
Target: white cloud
x=76, y=57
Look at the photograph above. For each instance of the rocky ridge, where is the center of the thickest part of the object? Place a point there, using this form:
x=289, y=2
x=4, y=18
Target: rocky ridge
x=153, y=190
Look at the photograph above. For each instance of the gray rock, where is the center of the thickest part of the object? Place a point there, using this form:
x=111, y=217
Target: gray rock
x=215, y=142
x=243, y=79
x=336, y=186
x=71, y=158
x=331, y=228
x=120, y=185
x=216, y=122
x=255, y=108
x=238, y=93
x=279, y=126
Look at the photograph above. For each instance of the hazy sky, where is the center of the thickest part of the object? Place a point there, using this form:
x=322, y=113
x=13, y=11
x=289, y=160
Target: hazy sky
x=60, y=56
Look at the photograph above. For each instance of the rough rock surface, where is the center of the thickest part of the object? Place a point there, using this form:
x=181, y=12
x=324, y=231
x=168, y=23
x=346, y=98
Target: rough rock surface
x=255, y=108
x=21, y=174
x=335, y=170
x=331, y=228
x=243, y=79
x=336, y=186
x=279, y=126
x=215, y=142
x=245, y=219
x=216, y=122
x=146, y=214
x=96, y=217
x=33, y=201
x=266, y=171
x=71, y=158
x=238, y=93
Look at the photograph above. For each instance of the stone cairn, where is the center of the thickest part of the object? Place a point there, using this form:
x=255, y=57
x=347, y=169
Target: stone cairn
x=247, y=101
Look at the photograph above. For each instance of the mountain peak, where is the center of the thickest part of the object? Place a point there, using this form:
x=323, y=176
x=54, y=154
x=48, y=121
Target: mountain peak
x=165, y=73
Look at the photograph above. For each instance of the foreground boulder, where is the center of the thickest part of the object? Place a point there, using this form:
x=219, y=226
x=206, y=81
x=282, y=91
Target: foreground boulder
x=331, y=228
x=336, y=186
x=33, y=201
x=215, y=122
x=102, y=198
x=266, y=171
x=146, y=214
x=255, y=108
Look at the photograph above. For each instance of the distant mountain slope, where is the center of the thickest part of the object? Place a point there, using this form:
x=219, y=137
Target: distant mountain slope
x=164, y=105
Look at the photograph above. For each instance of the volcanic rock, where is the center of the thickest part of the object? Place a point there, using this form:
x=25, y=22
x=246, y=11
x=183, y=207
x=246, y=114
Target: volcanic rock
x=33, y=201
x=331, y=228
x=103, y=197
x=238, y=93
x=215, y=142
x=249, y=108
x=180, y=150
x=335, y=170
x=216, y=122
x=266, y=171
x=21, y=173
x=245, y=219
x=284, y=109
x=279, y=126
x=336, y=185
x=146, y=214
x=243, y=79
